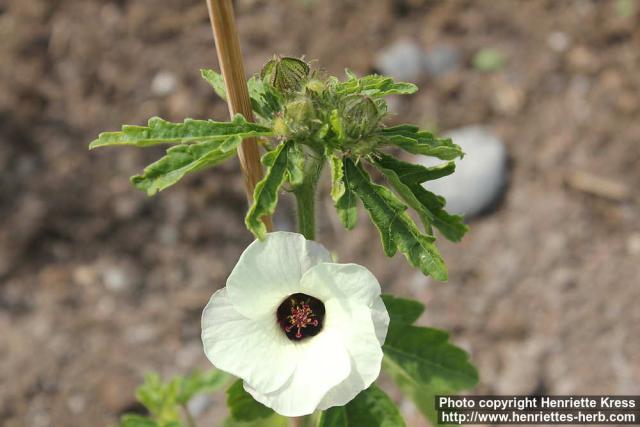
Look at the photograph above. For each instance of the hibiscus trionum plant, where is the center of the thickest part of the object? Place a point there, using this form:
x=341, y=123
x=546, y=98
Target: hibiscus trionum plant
x=307, y=336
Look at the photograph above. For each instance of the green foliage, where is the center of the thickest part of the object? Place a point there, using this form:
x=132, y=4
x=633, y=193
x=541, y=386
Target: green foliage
x=371, y=408
x=406, y=178
x=265, y=196
x=242, y=405
x=397, y=229
x=160, y=131
x=421, y=360
x=166, y=401
x=308, y=119
x=274, y=420
x=183, y=159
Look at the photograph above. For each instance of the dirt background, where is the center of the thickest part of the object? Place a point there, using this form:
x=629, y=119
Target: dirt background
x=100, y=284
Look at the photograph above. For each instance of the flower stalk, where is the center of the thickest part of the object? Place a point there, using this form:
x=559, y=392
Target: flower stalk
x=227, y=44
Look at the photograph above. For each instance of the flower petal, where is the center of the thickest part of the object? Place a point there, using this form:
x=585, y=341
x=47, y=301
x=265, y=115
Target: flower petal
x=381, y=319
x=323, y=362
x=343, y=281
x=254, y=350
x=270, y=270
x=358, y=331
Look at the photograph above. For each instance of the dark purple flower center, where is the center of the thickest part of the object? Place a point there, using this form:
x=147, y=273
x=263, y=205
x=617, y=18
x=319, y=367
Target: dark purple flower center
x=300, y=316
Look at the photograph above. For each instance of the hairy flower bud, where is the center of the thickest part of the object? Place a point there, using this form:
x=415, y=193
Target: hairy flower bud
x=286, y=74
x=360, y=116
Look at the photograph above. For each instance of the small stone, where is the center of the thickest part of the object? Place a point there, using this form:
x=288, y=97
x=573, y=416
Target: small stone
x=480, y=177
x=163, y=83
x=403, y=60
x=115, y=279
x=558, y=41
x=441, y=59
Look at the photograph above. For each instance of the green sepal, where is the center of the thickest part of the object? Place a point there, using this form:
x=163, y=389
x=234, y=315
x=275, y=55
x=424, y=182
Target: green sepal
x=159, y=131
x=406, y=179
x=265, y=196
x=397, y=229
x=374, y=85
x=412, y=139
x=242, y=406
x=402, y=311
x=183, y=159
x=371, y=408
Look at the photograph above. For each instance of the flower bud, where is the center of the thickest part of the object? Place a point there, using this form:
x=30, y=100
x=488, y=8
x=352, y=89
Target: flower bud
x=360, y=116
x=285, y=74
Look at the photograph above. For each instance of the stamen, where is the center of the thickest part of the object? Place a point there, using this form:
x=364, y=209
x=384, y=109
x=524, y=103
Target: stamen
x=301, y=316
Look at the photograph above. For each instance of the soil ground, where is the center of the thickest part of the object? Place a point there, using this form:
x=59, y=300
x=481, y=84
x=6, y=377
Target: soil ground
x=100, y=284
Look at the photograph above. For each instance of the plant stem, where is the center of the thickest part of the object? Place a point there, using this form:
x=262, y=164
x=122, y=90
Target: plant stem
x=306, y=197
x=297, y=422
x=230, y=58
x=306, y=210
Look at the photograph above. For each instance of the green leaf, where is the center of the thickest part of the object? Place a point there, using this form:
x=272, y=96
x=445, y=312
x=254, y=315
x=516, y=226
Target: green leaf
x=242, y=405
x=265, y=101
x=161, y=131
x=427, y=357
x=346, y=204
x=159, y=398
x=397, y=229
x=414, y=174
x=371, y=408
x=402, y=311
x=216, y=81
x=132, y=420
x=295, y=166
x=183, y=159
x=274, y=420
x=411, y=139
x=265, y=196
x=337, y=175
x=406, y=179
x=374, y=85
x=201, y=382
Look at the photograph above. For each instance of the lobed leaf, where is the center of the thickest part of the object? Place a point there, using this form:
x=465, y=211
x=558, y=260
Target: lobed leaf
x=411, y=139
x=397, y=229
x=371, y=408
x=346, y=204
x=243, y=406
x=374, y=85
x=426, y=356
x=201, y=382
x=159, y=398
x=265, y=196
x=159, y=131
x=406, y=179
x=295, y=165
x=181, y=160
x=216, y=81
x=402, y=311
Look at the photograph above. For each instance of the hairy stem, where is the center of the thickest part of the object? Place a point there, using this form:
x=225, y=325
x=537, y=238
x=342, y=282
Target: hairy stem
x=306, y=198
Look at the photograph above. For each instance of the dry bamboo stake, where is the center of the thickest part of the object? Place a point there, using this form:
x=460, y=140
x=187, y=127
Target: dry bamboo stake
x=230, y=58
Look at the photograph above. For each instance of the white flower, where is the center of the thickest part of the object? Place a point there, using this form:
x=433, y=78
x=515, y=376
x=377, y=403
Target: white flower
x=302, y=332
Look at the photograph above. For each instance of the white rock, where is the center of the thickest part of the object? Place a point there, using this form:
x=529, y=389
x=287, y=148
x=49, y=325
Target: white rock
x=163, y=83
x=480, y=177
x=403, y=60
